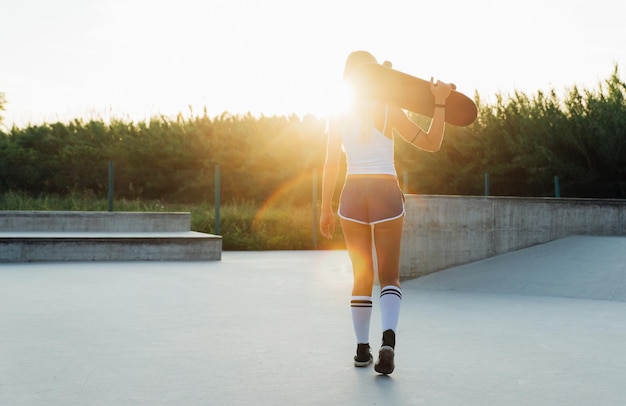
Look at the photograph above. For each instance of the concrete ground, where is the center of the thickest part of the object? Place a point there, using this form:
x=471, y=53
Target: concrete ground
x=540, y=326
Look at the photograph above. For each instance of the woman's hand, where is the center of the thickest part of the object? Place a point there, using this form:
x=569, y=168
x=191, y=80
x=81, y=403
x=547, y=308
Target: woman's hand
x=440, y=90
x=327, y=224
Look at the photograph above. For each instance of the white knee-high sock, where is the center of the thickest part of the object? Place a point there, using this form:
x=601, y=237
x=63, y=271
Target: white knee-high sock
x=361, y=314
x=390, y=300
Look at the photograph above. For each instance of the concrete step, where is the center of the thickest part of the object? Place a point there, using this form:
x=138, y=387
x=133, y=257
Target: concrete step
x=109, y=246
x=33, y=236
x=84, y=221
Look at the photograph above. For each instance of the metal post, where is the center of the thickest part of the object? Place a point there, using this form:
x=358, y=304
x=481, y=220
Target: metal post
x=111, y=175
x=314, y=203
x=217, y=199
x=557, y=187
x=486, y=184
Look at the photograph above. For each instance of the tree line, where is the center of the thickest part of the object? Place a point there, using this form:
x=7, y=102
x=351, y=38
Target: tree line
x=521, y=140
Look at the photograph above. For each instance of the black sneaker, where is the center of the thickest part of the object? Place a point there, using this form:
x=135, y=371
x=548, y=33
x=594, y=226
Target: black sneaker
x=363, y=355
x=384, y=364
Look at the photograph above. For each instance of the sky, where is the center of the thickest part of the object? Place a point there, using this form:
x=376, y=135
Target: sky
x=134, y=59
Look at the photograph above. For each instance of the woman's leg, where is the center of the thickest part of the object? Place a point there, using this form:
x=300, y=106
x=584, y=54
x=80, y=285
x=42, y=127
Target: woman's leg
x=387, y=238
x=358, y=239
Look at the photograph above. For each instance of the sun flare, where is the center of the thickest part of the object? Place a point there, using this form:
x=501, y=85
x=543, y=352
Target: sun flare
x=341, y=100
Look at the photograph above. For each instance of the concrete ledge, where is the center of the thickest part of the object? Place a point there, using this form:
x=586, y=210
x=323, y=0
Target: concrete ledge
x=85, y=221
x=102, y=236
x=444, y=231
x=109, y=247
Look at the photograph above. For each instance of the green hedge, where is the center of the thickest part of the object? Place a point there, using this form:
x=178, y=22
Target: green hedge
x=521, y=140
x=243, y=225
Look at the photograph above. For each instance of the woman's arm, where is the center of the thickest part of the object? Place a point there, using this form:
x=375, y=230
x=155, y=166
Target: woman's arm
x=427, y=140
x=329, y=178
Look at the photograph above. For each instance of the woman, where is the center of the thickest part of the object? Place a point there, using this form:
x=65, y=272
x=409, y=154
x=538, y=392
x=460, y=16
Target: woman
x=371, y=206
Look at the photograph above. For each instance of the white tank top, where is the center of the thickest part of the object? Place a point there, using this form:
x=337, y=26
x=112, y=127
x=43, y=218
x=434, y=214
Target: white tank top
x=367, y=157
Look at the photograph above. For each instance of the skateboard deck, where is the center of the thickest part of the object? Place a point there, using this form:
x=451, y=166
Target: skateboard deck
x=411, y=93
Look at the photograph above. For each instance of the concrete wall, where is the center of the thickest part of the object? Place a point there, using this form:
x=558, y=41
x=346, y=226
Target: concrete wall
x=443, y=231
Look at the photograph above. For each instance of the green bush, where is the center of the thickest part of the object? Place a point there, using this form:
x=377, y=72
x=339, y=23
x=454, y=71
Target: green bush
x=243, y=226
x=521, y=140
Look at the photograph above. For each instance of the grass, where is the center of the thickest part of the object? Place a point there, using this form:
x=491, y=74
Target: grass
x=243, y=225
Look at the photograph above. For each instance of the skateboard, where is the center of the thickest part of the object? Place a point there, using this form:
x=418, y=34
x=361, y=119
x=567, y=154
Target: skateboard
x=411, y=93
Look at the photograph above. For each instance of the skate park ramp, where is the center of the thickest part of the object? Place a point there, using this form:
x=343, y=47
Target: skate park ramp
x=580, y=267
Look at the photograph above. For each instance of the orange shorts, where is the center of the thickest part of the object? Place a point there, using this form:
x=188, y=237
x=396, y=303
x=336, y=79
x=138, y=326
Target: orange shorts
x=371, y=199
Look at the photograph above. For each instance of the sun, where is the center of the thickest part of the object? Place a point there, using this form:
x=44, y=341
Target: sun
x=327, y=99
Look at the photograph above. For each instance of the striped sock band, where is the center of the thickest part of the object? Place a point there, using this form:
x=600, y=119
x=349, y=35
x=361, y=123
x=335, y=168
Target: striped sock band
x=361, y=313
x=390, y=300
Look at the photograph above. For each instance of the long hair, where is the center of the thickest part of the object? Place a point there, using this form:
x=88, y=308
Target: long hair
x=361, y=109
